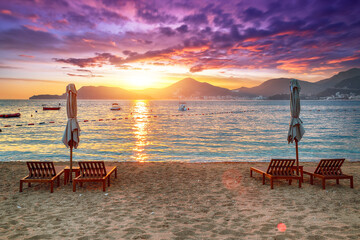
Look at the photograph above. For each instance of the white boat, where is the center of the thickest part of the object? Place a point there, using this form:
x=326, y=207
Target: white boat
x=182, y=107
x=115, y=107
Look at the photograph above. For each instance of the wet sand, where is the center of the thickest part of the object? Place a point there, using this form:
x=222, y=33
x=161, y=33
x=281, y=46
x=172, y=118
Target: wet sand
x=180, y=201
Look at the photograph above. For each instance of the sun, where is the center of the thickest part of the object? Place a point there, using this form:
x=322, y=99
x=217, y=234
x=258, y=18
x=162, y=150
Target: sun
x=142, y=79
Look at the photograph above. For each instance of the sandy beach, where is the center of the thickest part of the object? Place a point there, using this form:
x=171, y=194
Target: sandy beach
x=180, y=201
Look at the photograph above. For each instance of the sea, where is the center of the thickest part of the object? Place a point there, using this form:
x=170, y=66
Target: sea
x=156, y=131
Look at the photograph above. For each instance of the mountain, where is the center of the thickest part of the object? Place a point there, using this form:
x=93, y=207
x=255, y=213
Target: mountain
x=91, y=92
x=48, y=96
x=190, y=88
x=346, y=86
x=349, y=83
x=336, y=79
x=280, y=86
x=344, y=82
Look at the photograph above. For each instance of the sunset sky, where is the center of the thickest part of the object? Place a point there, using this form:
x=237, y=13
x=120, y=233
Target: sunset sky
x=137, y=44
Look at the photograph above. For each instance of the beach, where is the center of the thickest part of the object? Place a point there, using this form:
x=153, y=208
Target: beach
x=180, y=201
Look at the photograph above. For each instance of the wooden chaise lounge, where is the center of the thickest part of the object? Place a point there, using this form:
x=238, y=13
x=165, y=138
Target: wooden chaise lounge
x=278, y=169
x=42, y=172
x=94, y=171
x=328, y=169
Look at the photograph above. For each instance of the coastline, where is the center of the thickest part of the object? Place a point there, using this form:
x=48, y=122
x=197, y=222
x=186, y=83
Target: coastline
x=180, y=201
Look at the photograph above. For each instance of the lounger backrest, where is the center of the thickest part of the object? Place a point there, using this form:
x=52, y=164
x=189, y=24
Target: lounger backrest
x=329, y=166
x=41, y=169
x=281, y=167
x=92, y=169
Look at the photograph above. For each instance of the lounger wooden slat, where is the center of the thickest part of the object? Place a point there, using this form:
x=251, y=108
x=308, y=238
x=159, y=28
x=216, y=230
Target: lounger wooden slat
x=94, y=171
x=278, y=169
x=328, y=169
x=42, y=172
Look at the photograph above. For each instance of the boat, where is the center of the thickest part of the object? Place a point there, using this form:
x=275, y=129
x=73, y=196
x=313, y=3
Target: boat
x=51, y=108
x=182, y=106
x=10, y=115
x=115, y=107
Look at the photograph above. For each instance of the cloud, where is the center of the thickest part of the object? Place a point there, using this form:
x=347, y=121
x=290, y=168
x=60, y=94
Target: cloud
x=182, y=29
x=196, y=19
x=167, y=31
x=26, y=56
x=27, y=39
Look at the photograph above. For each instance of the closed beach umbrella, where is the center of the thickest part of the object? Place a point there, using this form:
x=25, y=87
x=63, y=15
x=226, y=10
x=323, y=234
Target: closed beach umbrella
x=72, y=131
x=296, y=129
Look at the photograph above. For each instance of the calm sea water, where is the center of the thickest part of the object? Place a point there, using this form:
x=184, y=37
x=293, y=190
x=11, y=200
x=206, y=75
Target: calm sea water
x=255, y=131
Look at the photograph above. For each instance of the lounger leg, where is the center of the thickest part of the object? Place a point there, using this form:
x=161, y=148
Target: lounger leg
x=290, y=181
x=104, y=185
x=311, y=180
x=323, y=183
x=337, y=181
x=116, y=173
x=66, y=176
x=351, y=182
x=21, y=185
x=74, y=186
x=109, y=181
x=271, y=183
x=29, y=184
x=300, y=180
x=250, y=173
x=263, y=178
x=52, y=186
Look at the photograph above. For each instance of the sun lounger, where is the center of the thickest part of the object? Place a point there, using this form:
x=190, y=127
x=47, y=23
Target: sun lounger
x=278, y=169
x=42, y=172
x=94, y=171
x=328, y=169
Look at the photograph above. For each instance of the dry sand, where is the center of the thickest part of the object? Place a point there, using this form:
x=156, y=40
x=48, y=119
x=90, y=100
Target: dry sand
x=180, y=201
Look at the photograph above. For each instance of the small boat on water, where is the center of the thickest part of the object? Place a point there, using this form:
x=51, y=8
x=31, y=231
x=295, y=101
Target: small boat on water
x=10, y=115
x=182, y=106
x=115, y=107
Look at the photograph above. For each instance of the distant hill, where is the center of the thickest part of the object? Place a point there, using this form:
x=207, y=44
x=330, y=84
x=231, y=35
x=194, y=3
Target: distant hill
x=343, y=82
x=349, y=83
x=280, y=86
x=48, y=96
x=190, y=88
x=346, y=86
x=336, y=79
x=91, y=92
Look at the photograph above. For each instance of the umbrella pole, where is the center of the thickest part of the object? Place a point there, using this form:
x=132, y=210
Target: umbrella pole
x=71, y=150
x=297, y=157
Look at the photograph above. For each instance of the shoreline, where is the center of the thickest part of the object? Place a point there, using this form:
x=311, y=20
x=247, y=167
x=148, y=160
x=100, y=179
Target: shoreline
x=180, y=201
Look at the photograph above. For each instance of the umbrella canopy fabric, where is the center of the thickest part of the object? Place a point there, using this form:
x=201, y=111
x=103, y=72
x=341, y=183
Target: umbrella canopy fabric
x=72, y=131
x=296, y=129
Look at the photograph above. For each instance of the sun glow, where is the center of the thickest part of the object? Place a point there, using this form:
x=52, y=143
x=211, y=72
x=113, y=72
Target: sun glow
x=142, y=79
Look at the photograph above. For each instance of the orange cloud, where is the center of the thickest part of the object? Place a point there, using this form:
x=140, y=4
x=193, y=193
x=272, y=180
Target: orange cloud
x=26, y=56
x=6, y=12
x=35, y=28
x=323, y=68
x=345, y=59
x=292, y=67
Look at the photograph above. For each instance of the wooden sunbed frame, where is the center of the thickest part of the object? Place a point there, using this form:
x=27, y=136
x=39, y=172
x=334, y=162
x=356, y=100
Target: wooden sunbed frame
x=42, y=172
x=328, y=169
x=94, y=171
x=278, y=169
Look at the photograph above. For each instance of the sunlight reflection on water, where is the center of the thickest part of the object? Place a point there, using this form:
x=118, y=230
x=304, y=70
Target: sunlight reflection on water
x=255, y=131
